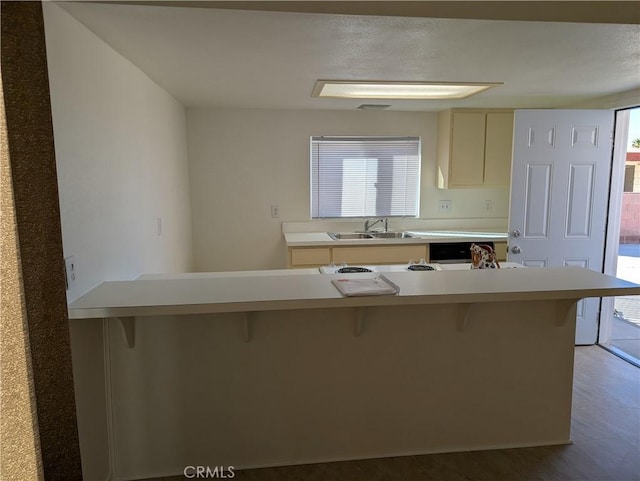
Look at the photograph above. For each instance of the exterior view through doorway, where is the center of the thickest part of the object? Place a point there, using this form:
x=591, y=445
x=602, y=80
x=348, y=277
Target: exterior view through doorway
x=620, y=316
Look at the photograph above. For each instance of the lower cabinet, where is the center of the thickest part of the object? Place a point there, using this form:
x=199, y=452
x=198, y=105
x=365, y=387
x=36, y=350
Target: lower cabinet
x=380, y=254
x=376, y=254
x=501, y=250
x=309, y=256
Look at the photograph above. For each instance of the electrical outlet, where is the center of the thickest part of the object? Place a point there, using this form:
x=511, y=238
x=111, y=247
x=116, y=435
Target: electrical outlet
x=488, y=205
x=70, y=271
x=275, y=211
x=444, y=207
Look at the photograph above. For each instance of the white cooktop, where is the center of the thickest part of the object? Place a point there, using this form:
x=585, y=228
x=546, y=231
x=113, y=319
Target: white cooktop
x=418, y=267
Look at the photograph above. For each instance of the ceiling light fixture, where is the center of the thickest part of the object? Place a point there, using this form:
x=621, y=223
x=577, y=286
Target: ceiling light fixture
x=364, y=89
x=373, y=107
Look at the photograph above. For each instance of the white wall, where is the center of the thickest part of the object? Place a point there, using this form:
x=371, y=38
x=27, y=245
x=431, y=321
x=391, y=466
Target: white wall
x=121, y=157
x=243, y=161
x=620, y=100
x=306, y=389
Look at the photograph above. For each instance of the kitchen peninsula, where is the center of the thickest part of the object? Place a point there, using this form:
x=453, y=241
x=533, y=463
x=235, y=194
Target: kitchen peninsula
x=276, y=367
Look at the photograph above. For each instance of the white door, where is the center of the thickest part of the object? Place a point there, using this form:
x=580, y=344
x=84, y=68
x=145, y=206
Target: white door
x=559, y=195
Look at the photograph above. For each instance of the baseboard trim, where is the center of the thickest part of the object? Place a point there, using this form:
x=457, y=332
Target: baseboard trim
x=356, y=458
x=403, y=454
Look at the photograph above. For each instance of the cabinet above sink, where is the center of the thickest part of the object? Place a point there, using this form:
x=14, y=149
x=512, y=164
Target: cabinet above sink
x=474, y=148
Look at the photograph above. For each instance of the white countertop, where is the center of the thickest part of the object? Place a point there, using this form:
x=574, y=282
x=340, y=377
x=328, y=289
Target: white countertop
x=289, y=289
x=215, y=275
x=308, y=239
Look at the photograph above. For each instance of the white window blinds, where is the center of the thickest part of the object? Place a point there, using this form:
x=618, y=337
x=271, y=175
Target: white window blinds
x=365, y=176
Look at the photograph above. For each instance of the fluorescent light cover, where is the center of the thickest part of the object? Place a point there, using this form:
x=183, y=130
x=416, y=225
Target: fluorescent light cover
x=373, y=107
x=397, y=90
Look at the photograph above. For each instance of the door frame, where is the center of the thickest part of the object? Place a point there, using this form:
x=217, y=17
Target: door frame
x=614, y=215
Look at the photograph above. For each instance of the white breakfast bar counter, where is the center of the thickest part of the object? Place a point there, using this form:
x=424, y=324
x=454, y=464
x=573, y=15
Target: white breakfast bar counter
x=285, y=289
x=271, y=368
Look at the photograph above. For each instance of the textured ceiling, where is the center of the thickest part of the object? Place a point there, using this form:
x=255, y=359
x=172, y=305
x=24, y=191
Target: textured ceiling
x=255, y=59
x=608, y=11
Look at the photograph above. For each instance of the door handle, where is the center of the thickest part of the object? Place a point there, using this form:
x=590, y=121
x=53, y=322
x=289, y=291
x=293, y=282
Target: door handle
x=516, y=250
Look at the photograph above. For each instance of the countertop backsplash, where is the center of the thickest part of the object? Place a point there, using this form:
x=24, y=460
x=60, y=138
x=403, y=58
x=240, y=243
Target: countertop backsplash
x=398, y=224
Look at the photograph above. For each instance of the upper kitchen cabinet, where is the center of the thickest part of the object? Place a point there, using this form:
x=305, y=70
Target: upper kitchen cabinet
x=474, y=148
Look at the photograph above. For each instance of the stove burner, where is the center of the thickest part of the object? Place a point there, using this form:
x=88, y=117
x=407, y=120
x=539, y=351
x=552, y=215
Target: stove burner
x=420, y=267
x=349, y=270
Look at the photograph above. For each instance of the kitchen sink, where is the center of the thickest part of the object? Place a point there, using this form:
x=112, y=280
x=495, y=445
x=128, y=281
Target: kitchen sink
x=349, y=235
x=391, y=235
x=369, y=235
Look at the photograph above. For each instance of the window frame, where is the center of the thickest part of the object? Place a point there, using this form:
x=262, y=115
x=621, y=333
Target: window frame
x=358, y=138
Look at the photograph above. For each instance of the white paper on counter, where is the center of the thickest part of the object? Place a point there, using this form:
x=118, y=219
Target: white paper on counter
x=376, y=286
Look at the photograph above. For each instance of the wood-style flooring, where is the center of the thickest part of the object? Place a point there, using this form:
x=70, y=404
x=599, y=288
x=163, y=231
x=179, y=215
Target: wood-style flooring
x=605, y=431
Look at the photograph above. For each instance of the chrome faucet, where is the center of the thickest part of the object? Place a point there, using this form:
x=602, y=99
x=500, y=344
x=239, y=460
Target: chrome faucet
x=368, y=225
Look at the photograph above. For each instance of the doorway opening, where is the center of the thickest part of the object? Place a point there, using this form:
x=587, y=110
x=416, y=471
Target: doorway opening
x=620, y=316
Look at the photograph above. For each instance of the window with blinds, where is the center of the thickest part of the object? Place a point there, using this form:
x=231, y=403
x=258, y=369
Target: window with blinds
x=365, y=176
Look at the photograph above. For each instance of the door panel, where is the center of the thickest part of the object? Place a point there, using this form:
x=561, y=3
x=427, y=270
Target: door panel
x=581, y=180
x=535, y=262
x=559, y=194
x=538, y=197
x=541, y=137
x=584, y=263
x=580, y=310
x=584, y=136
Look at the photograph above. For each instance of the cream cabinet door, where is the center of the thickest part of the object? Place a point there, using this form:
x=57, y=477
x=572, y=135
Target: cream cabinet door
x=379, y=254
x=310, y=256
x=501, y=251
x=467, y=149
x=474, y=148
x=498, y=147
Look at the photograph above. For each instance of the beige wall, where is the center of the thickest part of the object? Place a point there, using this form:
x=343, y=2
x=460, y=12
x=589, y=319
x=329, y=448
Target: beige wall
x=243, y=161
x=121, y=158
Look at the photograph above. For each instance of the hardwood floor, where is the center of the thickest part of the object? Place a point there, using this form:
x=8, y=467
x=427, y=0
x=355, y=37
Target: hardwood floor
x=605, y=431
